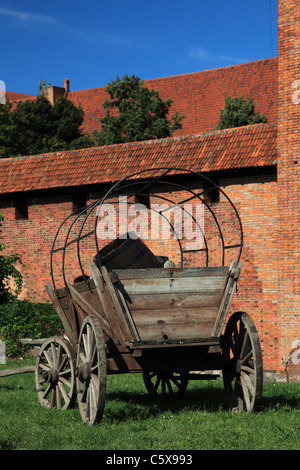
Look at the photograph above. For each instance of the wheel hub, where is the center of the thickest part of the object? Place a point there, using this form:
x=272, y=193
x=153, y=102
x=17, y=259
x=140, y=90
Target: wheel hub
x=51, y=376
x=84, y=372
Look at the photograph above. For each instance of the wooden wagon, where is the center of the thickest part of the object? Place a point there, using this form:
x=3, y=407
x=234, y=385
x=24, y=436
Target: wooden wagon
x=165, y=321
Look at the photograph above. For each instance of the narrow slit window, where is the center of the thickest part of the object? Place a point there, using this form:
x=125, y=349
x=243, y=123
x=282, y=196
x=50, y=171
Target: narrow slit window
x=79, y=201
x=21, y=209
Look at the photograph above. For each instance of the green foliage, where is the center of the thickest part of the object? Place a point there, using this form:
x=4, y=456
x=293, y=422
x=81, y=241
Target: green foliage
x=36, y=127
x=9, y=274
x=25, y=319
x=135, y=113
x=238, y=112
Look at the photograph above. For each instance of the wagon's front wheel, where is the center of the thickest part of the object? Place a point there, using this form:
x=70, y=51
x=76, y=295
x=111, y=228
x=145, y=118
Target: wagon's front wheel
x=243, y=367
x=91, y=371
x=55, y=374
x=166, y=384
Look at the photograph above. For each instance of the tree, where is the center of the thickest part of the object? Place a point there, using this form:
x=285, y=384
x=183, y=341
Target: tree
x=135, y=113
x=238, y=112
x=35, y=127
x=9, y=274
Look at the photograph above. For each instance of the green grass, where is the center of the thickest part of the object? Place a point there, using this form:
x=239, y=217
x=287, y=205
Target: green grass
x=134, y=421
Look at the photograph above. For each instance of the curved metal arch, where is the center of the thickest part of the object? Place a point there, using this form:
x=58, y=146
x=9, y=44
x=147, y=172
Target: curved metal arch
x=138, y=182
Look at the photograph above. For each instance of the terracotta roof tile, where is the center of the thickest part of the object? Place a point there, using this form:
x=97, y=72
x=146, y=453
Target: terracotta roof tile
x=199, y=95
x=250, y=146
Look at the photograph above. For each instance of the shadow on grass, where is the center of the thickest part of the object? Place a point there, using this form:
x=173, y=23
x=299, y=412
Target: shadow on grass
x=120, y=405
x=278, y=402
x=6, y=445
x=209, y=398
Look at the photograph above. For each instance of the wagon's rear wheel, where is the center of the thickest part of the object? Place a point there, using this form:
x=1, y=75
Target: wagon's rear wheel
x=91, y=371
x=166, y=384
x=55, y=374
x=243, y=367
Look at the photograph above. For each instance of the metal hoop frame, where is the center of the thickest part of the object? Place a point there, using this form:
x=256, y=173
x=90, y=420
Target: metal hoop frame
x=139, y=183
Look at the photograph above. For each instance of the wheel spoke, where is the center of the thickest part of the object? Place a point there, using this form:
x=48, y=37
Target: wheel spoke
x=91, y=366
x=157, y=383
x=55, y=374
x=248, y=369
x=243, y=362
x=245, y=393
x=165, y=384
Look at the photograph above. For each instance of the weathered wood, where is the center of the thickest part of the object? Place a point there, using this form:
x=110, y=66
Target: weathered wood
x=234, y=273
x=179, y=332
x=174, y=305
x=187, y=342
x=32, y=341
x=175, y=316
x=156, y=286
x=108, y=305
x=68, y=327
x=181, y=300
x=130, y=334
x=80, y=300
x=75, y=316
x=152, y=273
x=20, y=370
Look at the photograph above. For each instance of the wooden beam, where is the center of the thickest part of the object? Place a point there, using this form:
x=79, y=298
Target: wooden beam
x=77, y=298
x=60, y=312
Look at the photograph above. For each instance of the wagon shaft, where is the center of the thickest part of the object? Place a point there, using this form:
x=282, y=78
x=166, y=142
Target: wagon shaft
x=19, y=370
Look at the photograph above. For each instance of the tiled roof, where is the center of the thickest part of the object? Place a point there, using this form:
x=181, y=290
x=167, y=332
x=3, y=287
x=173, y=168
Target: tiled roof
x=200, y=95
x=251, y=146
x=12, y=96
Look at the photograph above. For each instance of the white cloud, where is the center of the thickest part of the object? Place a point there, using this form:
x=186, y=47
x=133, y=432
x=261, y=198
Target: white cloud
x=29, y=20
x=27, y=17
x=200, y=53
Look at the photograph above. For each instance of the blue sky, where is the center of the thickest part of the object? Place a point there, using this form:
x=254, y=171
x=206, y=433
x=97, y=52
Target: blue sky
x=92, y=42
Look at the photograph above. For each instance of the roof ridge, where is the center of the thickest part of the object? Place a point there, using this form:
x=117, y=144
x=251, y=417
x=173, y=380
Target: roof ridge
x=184, y=74
x=145, y=142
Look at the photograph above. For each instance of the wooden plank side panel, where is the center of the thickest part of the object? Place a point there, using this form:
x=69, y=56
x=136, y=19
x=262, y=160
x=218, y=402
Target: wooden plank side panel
x=153, y=273
x=171, y=332
x=151, y=302
x=175, y=305
x=201, y=285
x=175, y=323
x=175, y=316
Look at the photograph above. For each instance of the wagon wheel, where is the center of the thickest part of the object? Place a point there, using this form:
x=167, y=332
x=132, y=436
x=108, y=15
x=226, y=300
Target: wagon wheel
x=243, y=363
x=166, y=384
x=91, y=371
x=55, y=374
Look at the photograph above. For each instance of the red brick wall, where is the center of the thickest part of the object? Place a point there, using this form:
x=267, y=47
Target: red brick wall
x=257, y=293
x=289, y=179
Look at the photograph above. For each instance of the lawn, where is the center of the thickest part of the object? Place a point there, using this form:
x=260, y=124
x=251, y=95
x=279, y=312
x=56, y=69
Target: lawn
x=134, y=421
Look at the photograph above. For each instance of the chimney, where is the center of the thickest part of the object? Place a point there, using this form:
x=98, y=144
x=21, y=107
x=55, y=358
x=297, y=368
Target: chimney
x=288, y=170
x=66, y=87
x=55, y=92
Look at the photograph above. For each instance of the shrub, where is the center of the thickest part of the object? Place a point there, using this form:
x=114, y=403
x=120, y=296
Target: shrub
x=25, y=319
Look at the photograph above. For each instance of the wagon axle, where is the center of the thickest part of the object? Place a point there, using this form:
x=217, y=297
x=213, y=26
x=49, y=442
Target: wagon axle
x=51, y=376
x=83, y=372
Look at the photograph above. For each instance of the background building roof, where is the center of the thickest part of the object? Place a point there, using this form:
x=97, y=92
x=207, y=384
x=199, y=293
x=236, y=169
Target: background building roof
x=200, y=95
x=250, y=146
